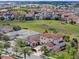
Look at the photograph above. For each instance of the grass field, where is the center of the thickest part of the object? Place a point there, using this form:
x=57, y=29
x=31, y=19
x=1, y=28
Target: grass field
x=42, y=25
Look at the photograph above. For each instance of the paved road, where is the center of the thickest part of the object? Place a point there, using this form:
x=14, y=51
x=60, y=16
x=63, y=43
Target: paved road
x=34, y=57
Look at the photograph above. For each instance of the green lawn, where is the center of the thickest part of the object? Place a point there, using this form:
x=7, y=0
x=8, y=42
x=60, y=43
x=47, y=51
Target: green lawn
x=63, y=54
x=42, y=25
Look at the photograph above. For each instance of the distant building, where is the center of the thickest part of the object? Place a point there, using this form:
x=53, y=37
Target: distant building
x=29, y=16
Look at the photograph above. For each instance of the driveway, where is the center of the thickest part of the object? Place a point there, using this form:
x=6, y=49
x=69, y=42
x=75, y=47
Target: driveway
x=34, y=57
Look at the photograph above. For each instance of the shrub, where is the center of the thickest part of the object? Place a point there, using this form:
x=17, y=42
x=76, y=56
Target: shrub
x=16, y=28
x=66, y=38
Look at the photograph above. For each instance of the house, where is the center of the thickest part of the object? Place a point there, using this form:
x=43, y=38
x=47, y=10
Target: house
x=6, y=28
x=55, y=16
x=29, y=16
x=1, y=14
x=43, y=39
x=6, y=15
x=33, y=40
x=75, y=19
x=43, y=15
x=65, y=17
x=53, y=41
x=21, y=34
x=38, y=16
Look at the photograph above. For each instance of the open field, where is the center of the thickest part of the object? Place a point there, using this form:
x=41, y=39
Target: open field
x=42, y=25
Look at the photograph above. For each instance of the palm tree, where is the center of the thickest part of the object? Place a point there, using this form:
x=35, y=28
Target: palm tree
x=6, y=40
x=25, y=50
x=45, y=49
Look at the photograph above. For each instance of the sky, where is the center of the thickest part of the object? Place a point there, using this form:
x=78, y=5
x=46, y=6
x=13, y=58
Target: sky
x=39, y=0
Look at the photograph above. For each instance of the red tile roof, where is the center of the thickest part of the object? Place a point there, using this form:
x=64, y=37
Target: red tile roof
x=50, y=44
x=7, y=57
x=74, y=18
x=65, y=15
x=29, y=14
x=54, y=36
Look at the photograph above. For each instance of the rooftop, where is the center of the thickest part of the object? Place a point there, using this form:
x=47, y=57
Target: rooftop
x=50, y=44
x=6, y=57
x=54, y=36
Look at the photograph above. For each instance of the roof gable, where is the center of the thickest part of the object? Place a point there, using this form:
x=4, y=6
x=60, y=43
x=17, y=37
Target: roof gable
x=53, y=36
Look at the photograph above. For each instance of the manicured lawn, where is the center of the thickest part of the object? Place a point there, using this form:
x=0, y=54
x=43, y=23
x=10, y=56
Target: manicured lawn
x=42, y=25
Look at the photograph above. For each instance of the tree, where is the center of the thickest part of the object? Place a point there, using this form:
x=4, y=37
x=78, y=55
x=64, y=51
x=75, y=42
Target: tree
x=1, y=36
x=72, y=22
x=74, y=43
x=60, y=56
x=53, y=29
x=66, y=38
x=46, y=31
x=23, y=48
x=22, y=18
x=73, y=52
x=6, y=38
x=26, y=51
x=20, y=43
x=1, y=49
x=2, y=18
x=16, y=28
x=45, y=49
x=58, y=17
x=6, y=43
x=75, y=40
x=6, y=46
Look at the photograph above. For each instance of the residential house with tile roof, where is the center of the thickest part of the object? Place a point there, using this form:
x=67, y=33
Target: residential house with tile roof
x=53, y=41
